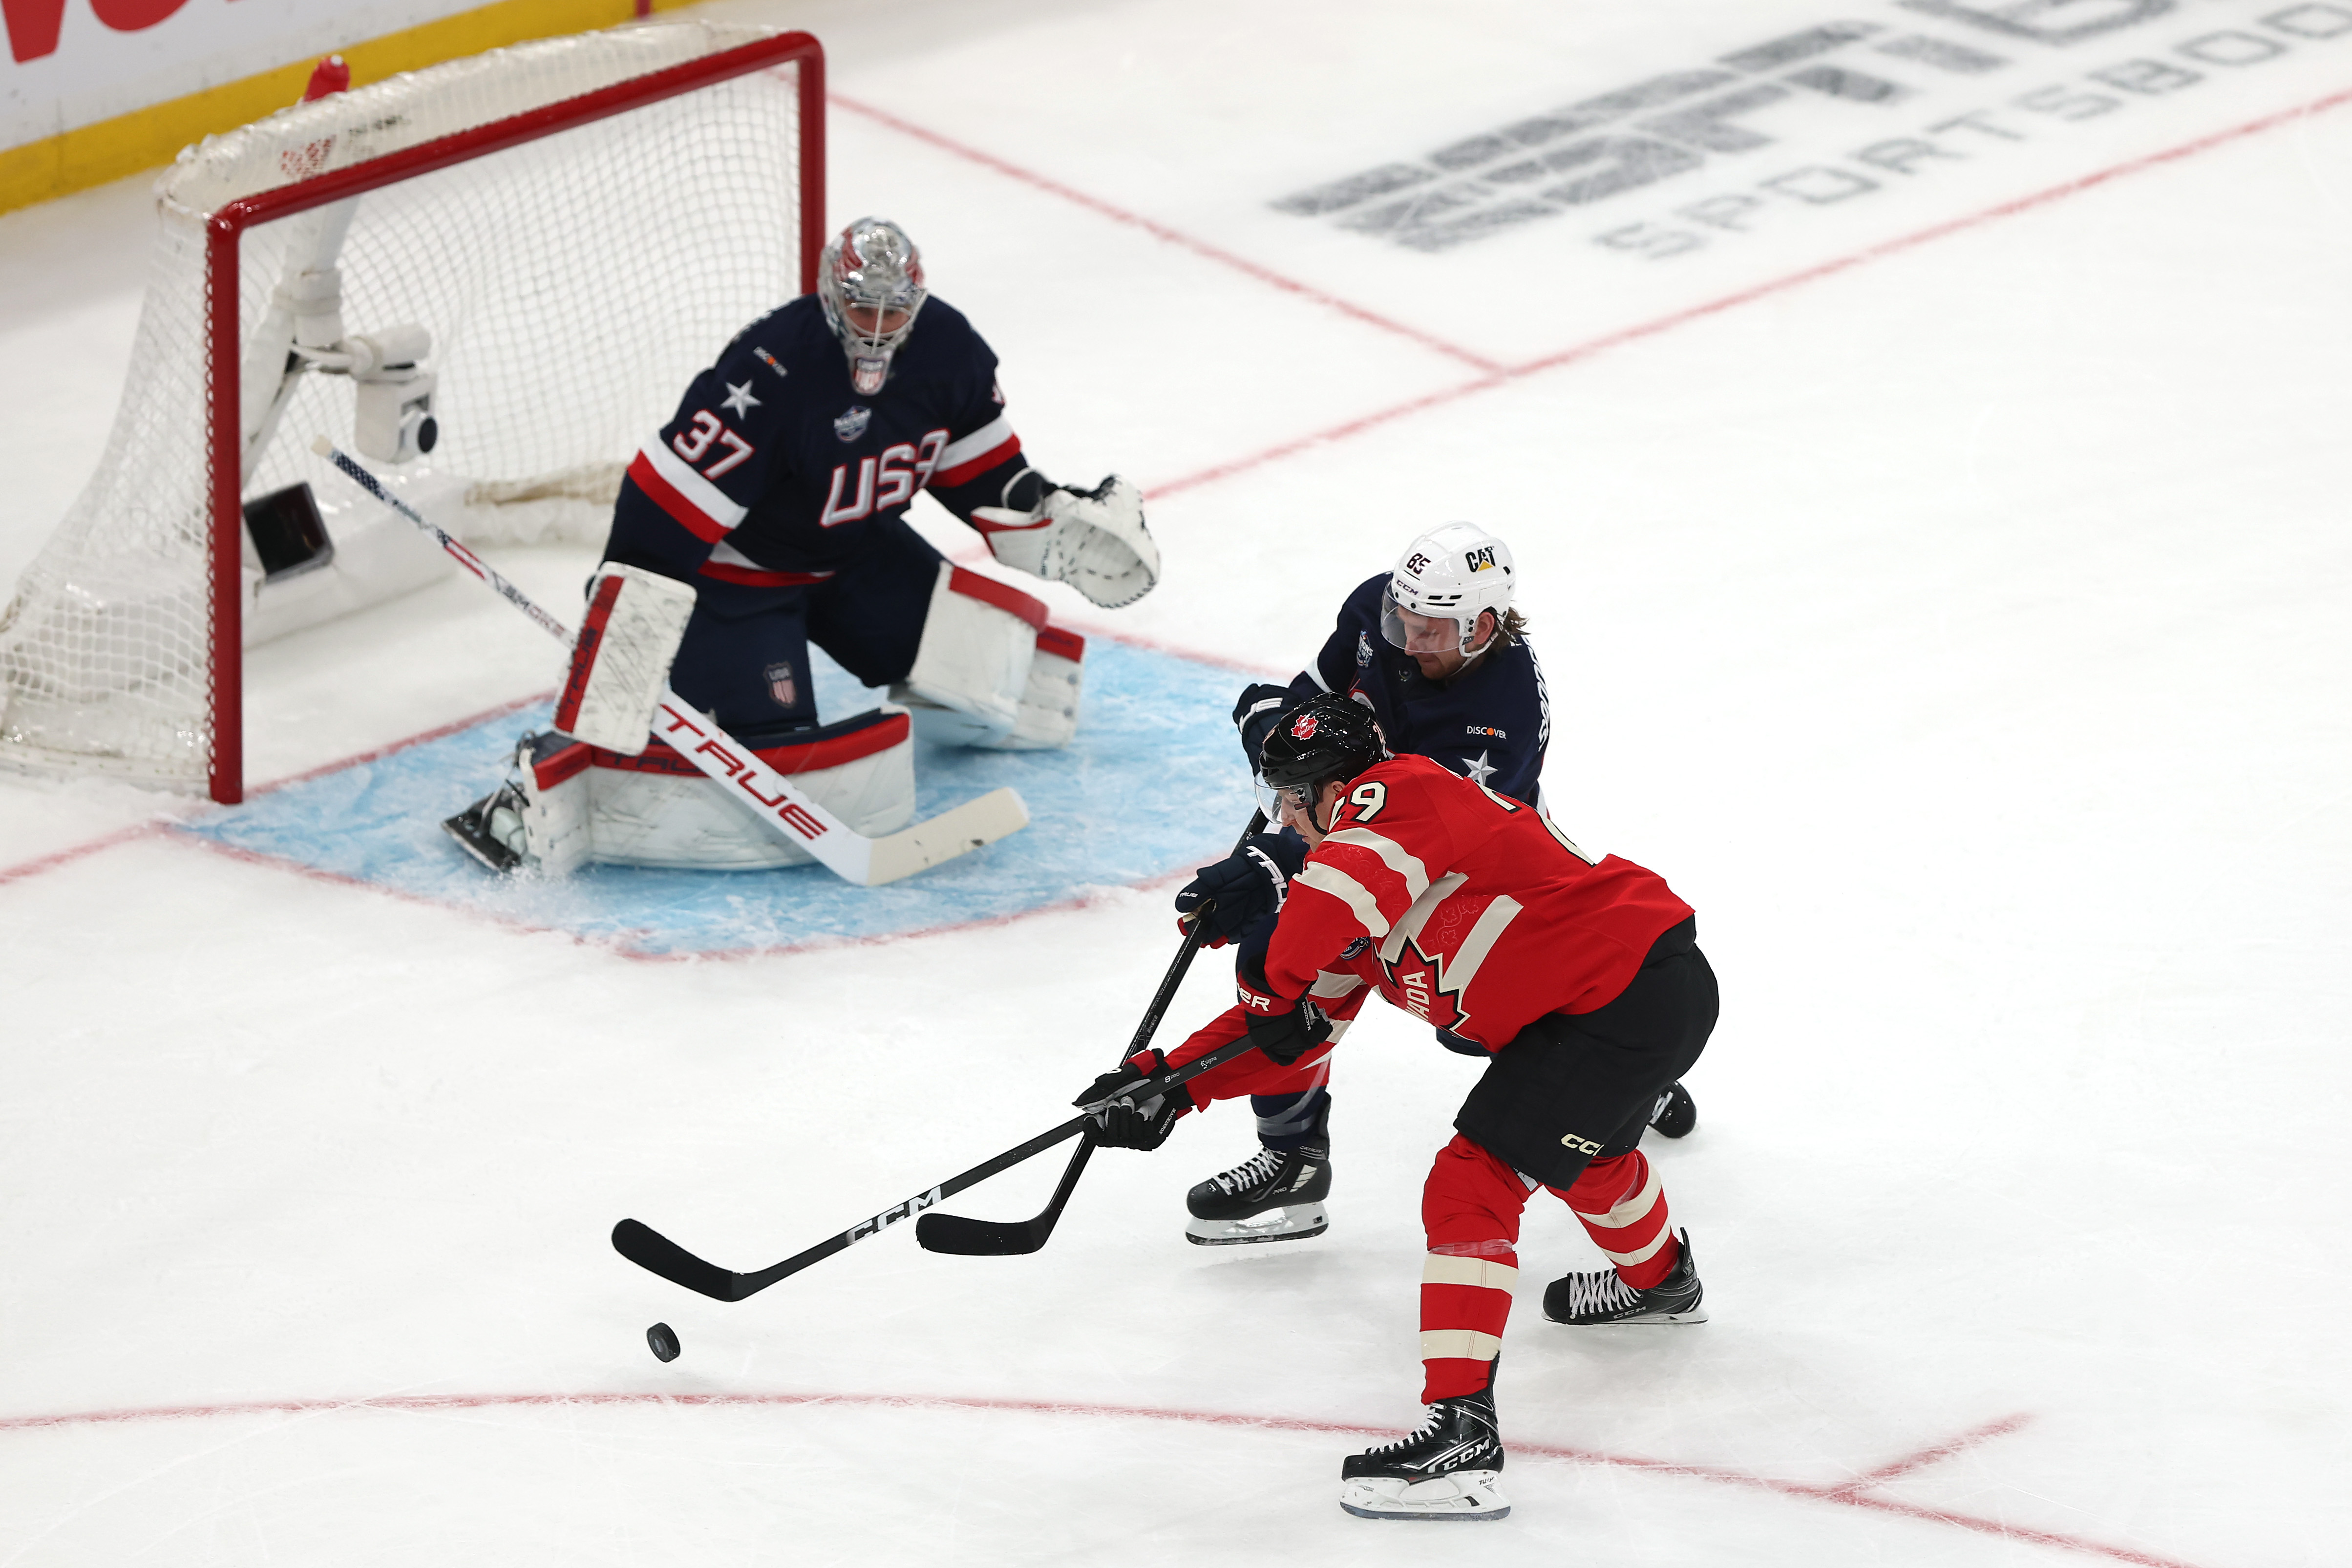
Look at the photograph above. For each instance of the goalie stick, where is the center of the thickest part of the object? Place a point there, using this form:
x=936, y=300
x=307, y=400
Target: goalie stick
x=1015, y=1237
x=650, y=1249
x=853, y=856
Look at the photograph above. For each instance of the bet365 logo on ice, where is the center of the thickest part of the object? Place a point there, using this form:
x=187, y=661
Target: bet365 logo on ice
x=1863, y=104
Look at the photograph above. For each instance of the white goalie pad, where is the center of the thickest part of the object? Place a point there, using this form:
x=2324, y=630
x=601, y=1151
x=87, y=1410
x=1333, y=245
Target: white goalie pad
x=590, y=804
x=621, y=657
x=1095, y=542
x=980, y=638
x=1049, y=705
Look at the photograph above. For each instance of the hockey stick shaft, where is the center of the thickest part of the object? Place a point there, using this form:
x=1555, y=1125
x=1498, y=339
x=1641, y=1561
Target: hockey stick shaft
x=649, y=1249
x=975, y=1237
x=729, y=762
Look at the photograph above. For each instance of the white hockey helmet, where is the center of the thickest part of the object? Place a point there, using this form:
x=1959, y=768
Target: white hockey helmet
x=1451, y=573
x=873, y=268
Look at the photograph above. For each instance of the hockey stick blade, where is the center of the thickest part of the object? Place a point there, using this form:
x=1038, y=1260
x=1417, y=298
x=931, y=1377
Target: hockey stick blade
x=657, y=1254
x=768, y=795
x=963, y=1238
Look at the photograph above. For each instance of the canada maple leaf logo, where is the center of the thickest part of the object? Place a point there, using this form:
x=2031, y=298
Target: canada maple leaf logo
x=1419, y=982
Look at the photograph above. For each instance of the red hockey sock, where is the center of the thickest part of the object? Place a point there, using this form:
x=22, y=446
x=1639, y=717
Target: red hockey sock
x=1623, y=1209
x=1470, y=1207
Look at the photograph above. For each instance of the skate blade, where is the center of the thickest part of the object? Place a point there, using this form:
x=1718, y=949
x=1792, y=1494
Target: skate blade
x=492, y=855
x=1468, y=1495
x=1645, y=1320
x=1295, y=1222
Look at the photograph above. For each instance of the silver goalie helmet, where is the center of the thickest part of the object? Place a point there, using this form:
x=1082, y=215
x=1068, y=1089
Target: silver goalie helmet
x=1448, y=575
x=870, y=281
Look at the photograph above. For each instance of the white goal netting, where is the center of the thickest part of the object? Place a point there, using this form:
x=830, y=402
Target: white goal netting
x=570, y=284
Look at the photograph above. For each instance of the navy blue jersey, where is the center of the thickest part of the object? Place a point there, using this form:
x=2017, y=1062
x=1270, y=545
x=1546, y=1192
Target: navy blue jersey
x=773, y=472
x=1491, y=724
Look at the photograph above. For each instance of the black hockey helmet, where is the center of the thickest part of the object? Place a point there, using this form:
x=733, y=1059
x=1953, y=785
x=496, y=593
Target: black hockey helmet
x=1324, y=737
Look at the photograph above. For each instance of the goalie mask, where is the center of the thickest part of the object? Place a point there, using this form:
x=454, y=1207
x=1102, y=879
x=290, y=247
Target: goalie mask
x=1448, y=575
x=870, y=281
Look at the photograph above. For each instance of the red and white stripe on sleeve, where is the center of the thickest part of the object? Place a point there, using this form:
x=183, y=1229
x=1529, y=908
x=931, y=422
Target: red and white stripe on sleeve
x=1359, y=882
x=964, y=461
x=696, y=505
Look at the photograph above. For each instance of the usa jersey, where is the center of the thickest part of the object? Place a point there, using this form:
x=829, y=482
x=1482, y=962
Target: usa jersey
x=1491, y=724
x=1466, y=907
x=774, y=472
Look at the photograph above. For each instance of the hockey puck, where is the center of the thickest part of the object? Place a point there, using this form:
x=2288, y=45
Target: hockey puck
x=663, y=1339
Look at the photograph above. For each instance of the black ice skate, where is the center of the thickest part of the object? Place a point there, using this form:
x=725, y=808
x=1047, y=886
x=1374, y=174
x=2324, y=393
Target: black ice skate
x=1273, y=1195
x=1601, y=1296
x=1675, y=1113
x=490, y=830
x=1450, y=1467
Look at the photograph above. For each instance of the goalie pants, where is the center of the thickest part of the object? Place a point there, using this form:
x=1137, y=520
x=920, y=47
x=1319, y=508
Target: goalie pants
x=745, y=657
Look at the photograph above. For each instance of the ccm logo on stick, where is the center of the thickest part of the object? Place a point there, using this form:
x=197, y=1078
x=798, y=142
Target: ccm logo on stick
x=893, y=1215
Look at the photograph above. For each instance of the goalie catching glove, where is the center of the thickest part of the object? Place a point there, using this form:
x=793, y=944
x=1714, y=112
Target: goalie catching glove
x=1093, y=540
x=1124, y=1123
x=621, y=657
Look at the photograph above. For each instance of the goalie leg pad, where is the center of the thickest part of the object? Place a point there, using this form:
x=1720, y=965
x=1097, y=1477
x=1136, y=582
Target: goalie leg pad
x=658, y=809
x=1049, y=706
x=980, y=638
x=621, y=657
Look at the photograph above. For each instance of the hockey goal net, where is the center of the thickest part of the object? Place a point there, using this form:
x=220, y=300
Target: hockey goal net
x=575, y=226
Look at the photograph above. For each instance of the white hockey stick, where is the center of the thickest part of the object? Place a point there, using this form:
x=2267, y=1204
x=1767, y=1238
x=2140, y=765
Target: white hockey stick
x=869, y=862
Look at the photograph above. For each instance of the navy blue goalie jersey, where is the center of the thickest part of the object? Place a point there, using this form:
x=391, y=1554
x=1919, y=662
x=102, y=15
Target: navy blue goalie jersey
x=1491, y=724
x=774, y=471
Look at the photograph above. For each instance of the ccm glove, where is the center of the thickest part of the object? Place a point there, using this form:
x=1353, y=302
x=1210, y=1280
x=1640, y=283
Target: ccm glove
x=1125, y=1124
x=1255, y=715
x=1237, y=892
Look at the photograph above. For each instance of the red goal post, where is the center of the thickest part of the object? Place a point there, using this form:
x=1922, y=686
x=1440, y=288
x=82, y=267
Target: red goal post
x=575, y=262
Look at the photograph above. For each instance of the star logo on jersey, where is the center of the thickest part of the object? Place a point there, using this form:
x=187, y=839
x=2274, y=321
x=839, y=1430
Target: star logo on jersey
x=1418, y=983
x=1478, y=771
x=851, y=424
x=740, y=399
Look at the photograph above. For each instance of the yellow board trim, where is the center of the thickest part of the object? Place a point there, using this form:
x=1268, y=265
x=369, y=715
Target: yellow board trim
x=151, y=137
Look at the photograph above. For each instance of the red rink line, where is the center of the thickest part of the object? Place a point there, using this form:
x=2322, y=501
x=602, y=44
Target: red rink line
x=39, y=864
x=1846, y=1494
x=1159, y=231
x=1505, y=375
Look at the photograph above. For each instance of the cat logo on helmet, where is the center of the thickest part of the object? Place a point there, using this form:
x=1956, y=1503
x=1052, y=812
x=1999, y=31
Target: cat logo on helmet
x=1480, y=560
x=1303, y=727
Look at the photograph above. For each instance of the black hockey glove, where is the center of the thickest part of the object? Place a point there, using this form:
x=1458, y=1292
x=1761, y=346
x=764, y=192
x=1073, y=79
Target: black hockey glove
x=1283, y=1031
x=1255, y=715
x=1241, y=890
x=1124, y=1124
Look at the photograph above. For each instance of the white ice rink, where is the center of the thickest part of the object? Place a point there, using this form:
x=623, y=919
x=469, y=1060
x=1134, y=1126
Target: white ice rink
x=1943, y=578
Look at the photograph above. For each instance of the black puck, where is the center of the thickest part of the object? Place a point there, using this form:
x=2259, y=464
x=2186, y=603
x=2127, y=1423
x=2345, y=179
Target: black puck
x=664, y=1340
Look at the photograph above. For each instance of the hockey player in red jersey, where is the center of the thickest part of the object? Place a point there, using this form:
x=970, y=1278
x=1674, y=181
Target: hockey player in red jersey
x=1434, y=650
x=1578, y=979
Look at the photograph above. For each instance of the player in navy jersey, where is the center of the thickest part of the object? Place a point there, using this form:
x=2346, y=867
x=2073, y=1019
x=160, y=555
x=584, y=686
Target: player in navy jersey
x=1436, y=650
x=771, y=513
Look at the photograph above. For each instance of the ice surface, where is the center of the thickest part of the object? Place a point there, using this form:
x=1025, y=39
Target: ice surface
x=1963, y=631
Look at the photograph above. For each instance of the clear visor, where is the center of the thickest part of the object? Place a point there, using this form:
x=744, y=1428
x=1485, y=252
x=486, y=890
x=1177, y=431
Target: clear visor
x=1273, y=798
x=1424, y=634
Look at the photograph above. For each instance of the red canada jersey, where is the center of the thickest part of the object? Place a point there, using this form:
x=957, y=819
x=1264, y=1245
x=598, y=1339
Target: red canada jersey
x=1467, y=908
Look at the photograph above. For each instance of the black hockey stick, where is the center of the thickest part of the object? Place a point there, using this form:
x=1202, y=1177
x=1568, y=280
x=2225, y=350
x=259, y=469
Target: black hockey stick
x=1014, y=1237
x=649, y=1249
